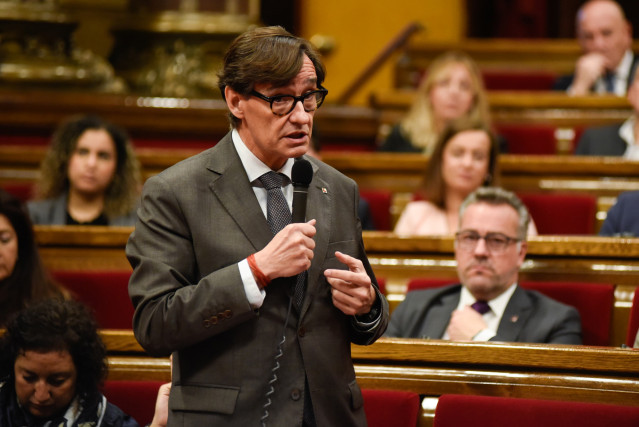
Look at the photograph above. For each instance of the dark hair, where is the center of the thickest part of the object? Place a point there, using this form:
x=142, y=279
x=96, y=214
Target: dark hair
x=434, y=188
x=265, y=55
x=29, y=280
x=122, y=193
x=58, y=325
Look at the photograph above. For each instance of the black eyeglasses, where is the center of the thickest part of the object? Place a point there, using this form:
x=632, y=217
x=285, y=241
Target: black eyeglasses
x=495, y=242
x=281, y=105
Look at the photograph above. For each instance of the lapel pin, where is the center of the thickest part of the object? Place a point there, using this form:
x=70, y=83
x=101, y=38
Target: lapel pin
x=324, y=190
x=514, y=319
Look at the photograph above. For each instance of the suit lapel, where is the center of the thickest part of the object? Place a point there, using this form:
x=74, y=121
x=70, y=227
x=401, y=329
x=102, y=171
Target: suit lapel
x=439, y=314
x=515, y=316
x=318, y=202
x=230, y=185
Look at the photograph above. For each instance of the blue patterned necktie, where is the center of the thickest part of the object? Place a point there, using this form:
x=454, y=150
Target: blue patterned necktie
x=609, y=80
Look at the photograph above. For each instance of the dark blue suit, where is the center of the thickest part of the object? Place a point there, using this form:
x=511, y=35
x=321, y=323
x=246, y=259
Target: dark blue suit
x=623, y=217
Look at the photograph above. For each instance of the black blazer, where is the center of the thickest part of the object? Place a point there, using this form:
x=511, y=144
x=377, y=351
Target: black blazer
x=601, y=141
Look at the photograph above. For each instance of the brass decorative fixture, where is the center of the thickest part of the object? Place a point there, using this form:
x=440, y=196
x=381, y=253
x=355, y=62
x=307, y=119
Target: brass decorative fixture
x=174, y=48
x=36, y=50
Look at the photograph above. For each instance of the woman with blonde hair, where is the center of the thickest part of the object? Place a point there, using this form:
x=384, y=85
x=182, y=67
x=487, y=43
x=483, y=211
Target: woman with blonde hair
x=90, y=176
x=451, y=89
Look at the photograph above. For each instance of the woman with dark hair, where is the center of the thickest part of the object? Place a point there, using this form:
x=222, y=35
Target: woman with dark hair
x=464, y=158
x=52, y=364
x=23, y=278
x=90, y=175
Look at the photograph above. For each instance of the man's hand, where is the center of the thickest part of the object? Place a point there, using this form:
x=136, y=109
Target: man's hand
x=289, y=253
x=588, y=69
x=465, y=324
x=352, y=290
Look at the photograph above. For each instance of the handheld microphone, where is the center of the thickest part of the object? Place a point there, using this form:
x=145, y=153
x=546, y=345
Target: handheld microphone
x=301, y=176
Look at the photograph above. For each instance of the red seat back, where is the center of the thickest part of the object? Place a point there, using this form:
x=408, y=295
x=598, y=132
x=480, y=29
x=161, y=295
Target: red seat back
x=538, y=80
x=427, y=283
x=105, y=292
x=556, y=213
x=633, y=323
x=488, y=411
x=379, y=202
x=136, y=398
x=593, y=301
x=395, y=408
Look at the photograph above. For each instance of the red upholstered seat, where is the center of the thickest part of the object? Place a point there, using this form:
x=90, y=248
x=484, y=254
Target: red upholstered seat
x=381, y=282
x=633, y=323
x=490, y=411
x=529, y=139
x=538, y=80
x=562, y=213
x=594, y=302
x=21, y=190
x=379, y=202
x=136, y=398
x=395, y=408
x=426, y=283
x=105, y=292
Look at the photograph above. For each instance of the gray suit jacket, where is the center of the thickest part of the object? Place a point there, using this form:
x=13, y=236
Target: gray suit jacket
x=601, y=141
x=529, y=317
x=54, y=212
x=197, y=220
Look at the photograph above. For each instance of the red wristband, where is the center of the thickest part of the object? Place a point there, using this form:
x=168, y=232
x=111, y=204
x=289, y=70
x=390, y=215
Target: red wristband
x=260, y=277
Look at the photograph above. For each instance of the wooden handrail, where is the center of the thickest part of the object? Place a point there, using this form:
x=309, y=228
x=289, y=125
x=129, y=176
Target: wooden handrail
x=395, y=44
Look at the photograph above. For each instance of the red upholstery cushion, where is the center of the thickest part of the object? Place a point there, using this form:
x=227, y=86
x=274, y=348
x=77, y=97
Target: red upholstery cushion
x=426, y=283
x=381, y=282
x=556, y=213
x=529, y=139
x=594, y=302
x=105, y=292
x=519, y=80
x=633, y=323
x=136, y=398
x=489, y=411
x=395, y=408
x=23, y=191
x=380, y=203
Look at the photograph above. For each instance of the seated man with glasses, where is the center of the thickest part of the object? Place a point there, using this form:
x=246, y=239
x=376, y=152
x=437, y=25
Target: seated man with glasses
x=487, y=305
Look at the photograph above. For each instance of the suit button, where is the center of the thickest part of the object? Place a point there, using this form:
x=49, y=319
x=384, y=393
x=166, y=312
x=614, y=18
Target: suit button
x=301, y=331
x=207, y=323
x=296, y=394
x=213, y=320
x=228, y=314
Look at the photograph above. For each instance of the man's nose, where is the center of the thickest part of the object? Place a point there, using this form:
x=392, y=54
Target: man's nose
x=481, y=249
x=299, y=114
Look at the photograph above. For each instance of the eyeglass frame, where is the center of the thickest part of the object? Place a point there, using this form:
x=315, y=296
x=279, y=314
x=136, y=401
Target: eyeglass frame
x=485, y=238
x=271, y=99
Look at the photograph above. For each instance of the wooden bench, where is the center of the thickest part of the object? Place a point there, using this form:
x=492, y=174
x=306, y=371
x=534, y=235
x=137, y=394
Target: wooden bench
x=543, y=56
x=435, y=367
x=397, y=260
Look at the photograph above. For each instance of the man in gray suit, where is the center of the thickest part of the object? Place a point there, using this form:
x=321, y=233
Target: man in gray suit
x=615, y=140
x=490, y=247
x=213, y=283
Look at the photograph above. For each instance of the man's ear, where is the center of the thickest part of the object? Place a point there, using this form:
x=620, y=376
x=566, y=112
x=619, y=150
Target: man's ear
x=523, y=248
x=235, y=102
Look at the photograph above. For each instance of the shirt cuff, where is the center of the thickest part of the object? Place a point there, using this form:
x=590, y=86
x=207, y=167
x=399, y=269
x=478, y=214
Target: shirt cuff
x=254, y=294
x=369, y=321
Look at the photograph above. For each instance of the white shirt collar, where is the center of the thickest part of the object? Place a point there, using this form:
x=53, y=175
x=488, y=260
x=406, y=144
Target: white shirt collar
x=255, y=167
x=627, y=133
x=497, y=305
